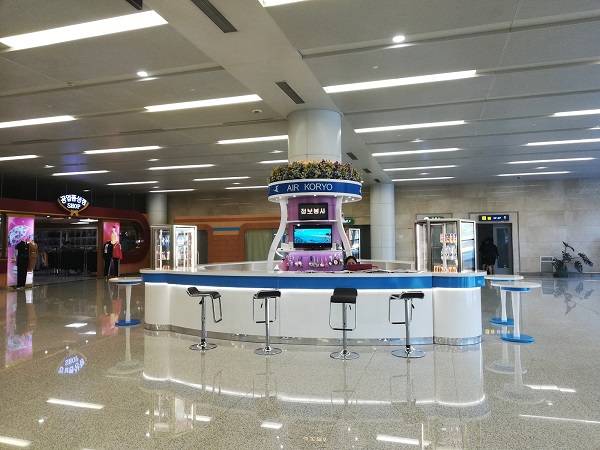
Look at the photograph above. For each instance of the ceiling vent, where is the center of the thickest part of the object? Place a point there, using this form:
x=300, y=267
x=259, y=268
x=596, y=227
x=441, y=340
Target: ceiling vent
x=352, y=156
x=215, y=15
x=137, y=4
x=292, y=94
x=366, y=171
x=377, y=180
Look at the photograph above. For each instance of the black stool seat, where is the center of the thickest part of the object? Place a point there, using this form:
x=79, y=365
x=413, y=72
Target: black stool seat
x=408, y=297
x=195, y=292
x=267, y=294
x=344, y=295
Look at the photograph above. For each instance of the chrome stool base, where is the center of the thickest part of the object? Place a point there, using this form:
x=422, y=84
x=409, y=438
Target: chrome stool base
x=344, y=354
x=203, y=346
x=267, y=351
x=409, y=353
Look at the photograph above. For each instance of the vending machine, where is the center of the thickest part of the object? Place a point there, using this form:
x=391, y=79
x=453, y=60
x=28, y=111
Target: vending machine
x=445, y=245
x=173, y=247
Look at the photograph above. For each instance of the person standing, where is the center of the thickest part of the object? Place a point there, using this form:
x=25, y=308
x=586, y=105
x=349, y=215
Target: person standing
x=22, y=250
x=489, y=254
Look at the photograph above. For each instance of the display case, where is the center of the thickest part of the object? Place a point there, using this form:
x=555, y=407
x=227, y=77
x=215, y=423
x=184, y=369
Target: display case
x=173, y=247
x=445, y=245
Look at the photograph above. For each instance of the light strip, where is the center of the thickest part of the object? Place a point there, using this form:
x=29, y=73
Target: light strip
x=530, y=173
x=571, y=141
x=576, y=113
x=86, y=172
x=400, y=81
x=127, y=183
x=274, y=161
x=415, y=152
x=246, y=187
x=14, y=158
x=267, y=3
x=220, y=179
x=204, y=103
x=57, y=401
x=271, y=425
x=191, y=166
x=172, y=190
x=254, y=139
x=401, y=440
x=76, y=324
x=423, y=179
x=14, y=442
x=561, y=419
x=410, y=126
x=38, y=121
x=550, y=388
x=122, y=150
x=419, y=168
x=84, y=30
x=550, y=160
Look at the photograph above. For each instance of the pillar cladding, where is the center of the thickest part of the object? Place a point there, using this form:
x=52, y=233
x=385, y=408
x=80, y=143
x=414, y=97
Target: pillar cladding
x=314, y=135
x=157, y=209
x=383, y=238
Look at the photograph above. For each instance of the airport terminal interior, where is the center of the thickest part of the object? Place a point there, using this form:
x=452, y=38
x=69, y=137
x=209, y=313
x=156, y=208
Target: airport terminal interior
x=72, y=379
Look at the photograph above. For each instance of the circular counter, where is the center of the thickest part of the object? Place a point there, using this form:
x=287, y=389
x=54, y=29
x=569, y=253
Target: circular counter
x=303, y=309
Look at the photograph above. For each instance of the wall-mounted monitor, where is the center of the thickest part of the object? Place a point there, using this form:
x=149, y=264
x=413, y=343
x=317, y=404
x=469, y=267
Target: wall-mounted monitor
x=312, y=237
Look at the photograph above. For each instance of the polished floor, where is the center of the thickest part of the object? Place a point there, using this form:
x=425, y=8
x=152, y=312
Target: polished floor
x=72, y=380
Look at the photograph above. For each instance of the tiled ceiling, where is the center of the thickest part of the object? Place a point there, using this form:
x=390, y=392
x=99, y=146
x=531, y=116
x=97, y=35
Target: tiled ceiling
x=532, y=58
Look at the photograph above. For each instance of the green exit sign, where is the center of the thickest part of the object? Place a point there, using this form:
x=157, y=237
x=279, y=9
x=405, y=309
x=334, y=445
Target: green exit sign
x=349, y=221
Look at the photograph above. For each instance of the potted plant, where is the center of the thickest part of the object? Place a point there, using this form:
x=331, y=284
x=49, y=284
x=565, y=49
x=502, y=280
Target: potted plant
x=314, y=170
x=561, y=266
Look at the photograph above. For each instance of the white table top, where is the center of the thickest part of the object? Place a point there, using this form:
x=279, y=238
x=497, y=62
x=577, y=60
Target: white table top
x=516, y=285
x=126, y=280
x=503, y=277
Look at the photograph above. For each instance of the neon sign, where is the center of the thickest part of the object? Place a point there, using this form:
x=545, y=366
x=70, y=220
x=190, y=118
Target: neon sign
x=73, y=204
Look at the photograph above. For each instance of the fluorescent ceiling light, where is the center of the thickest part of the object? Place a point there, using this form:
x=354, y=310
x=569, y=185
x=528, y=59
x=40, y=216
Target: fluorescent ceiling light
x=14, y=442
x=142, y=73
x=191, y=166
x=86, y=172
x=423, y=179
x=538, y=161
x=571, y=141
x=414, y=152
x=409, y=126
x=530, y=173
x=254, y=139
x=76, y=325
x=418, y=168
x=173, y=190
x=274, y=161
x=14, y=158
x=576, y=113
x=400, y=81
x=246, y=187
x=546, y=387
x=122, y=150
x=57, y=401
x=204, y=103
x=399, y=38
x=267, y=3
x=84, y=30
x=220, y=179
x=39, y=121
x=562, y=419
x=203, y=418
x=127, y=183
x=401, y=440
x=271, y=425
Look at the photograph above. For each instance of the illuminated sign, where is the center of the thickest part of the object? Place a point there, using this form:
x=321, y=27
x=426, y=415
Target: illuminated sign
x=319, y=187
x=349, y=221
x=494, y=218
x=312, y=211
x=72, y=203
x=72, y=365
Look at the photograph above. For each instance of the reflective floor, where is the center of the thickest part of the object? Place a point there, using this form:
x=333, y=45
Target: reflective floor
x=72, y=380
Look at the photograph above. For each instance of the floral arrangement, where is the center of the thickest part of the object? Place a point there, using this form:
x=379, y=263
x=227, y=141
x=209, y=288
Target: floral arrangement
x=314, y=169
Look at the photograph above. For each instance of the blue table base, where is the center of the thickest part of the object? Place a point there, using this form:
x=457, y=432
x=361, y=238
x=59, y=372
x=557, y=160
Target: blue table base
x=522, y=338
x=125, y=323
x=499, y=321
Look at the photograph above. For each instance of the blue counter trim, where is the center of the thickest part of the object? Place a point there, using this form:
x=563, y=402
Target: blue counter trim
x=226, y=229
x=264, y=282
x=458, y=282
x=518, y=289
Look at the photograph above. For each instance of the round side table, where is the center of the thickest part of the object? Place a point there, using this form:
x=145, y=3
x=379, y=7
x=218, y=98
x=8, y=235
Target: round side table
x=504, y=320
x=515, y=288
x=127, y=282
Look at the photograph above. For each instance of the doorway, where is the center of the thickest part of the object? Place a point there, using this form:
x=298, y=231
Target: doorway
x=501, y=234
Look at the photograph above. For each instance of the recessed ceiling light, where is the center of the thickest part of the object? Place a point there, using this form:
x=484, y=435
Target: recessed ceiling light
x=76, y=325
x=84, y=30
x=399, y=38
x=530, y=173
x=410, y=126
x=153, y=159
x=173, y=190
x=86, y=172
x=204, y=103
x=417, y=140
x=191, y=166
x=267, y=3
x=537, y=161
x=253, y=139
x=48, y=166
x=395, y=82
x=271, y=425
x=247, y=187
x=14, y=442
x=275, y=161
x=220, y=179
x=122, y=150
x=13, y=158
x=414, y=152
x=576, y=113
x=277, y=151
x=570, y=141
x=419, y=168
x=38, y=121
x=423, y=179
x=127, y=183
x=142, y=73
x=57, y=401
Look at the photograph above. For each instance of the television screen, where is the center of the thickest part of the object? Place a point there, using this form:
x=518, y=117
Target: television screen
x=312, y=237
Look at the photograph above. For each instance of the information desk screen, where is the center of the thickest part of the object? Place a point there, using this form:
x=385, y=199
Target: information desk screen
x=312, y=237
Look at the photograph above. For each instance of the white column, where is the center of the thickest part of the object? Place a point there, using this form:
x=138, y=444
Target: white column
x=383, y=238
x=314, y=135
x=156, y=205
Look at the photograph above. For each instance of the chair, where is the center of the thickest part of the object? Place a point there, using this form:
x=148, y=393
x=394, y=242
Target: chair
x=346, y=297
x=408, y=297
x=195, y=292
x=264, y=297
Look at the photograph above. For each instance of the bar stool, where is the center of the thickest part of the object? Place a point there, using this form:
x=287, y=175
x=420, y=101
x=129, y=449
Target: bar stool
x=346, y=297
x=264, y=297
x=194, y=292
x=408, y=297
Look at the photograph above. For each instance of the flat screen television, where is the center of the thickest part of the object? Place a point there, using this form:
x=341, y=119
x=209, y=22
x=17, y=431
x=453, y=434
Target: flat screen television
x=312, y=237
